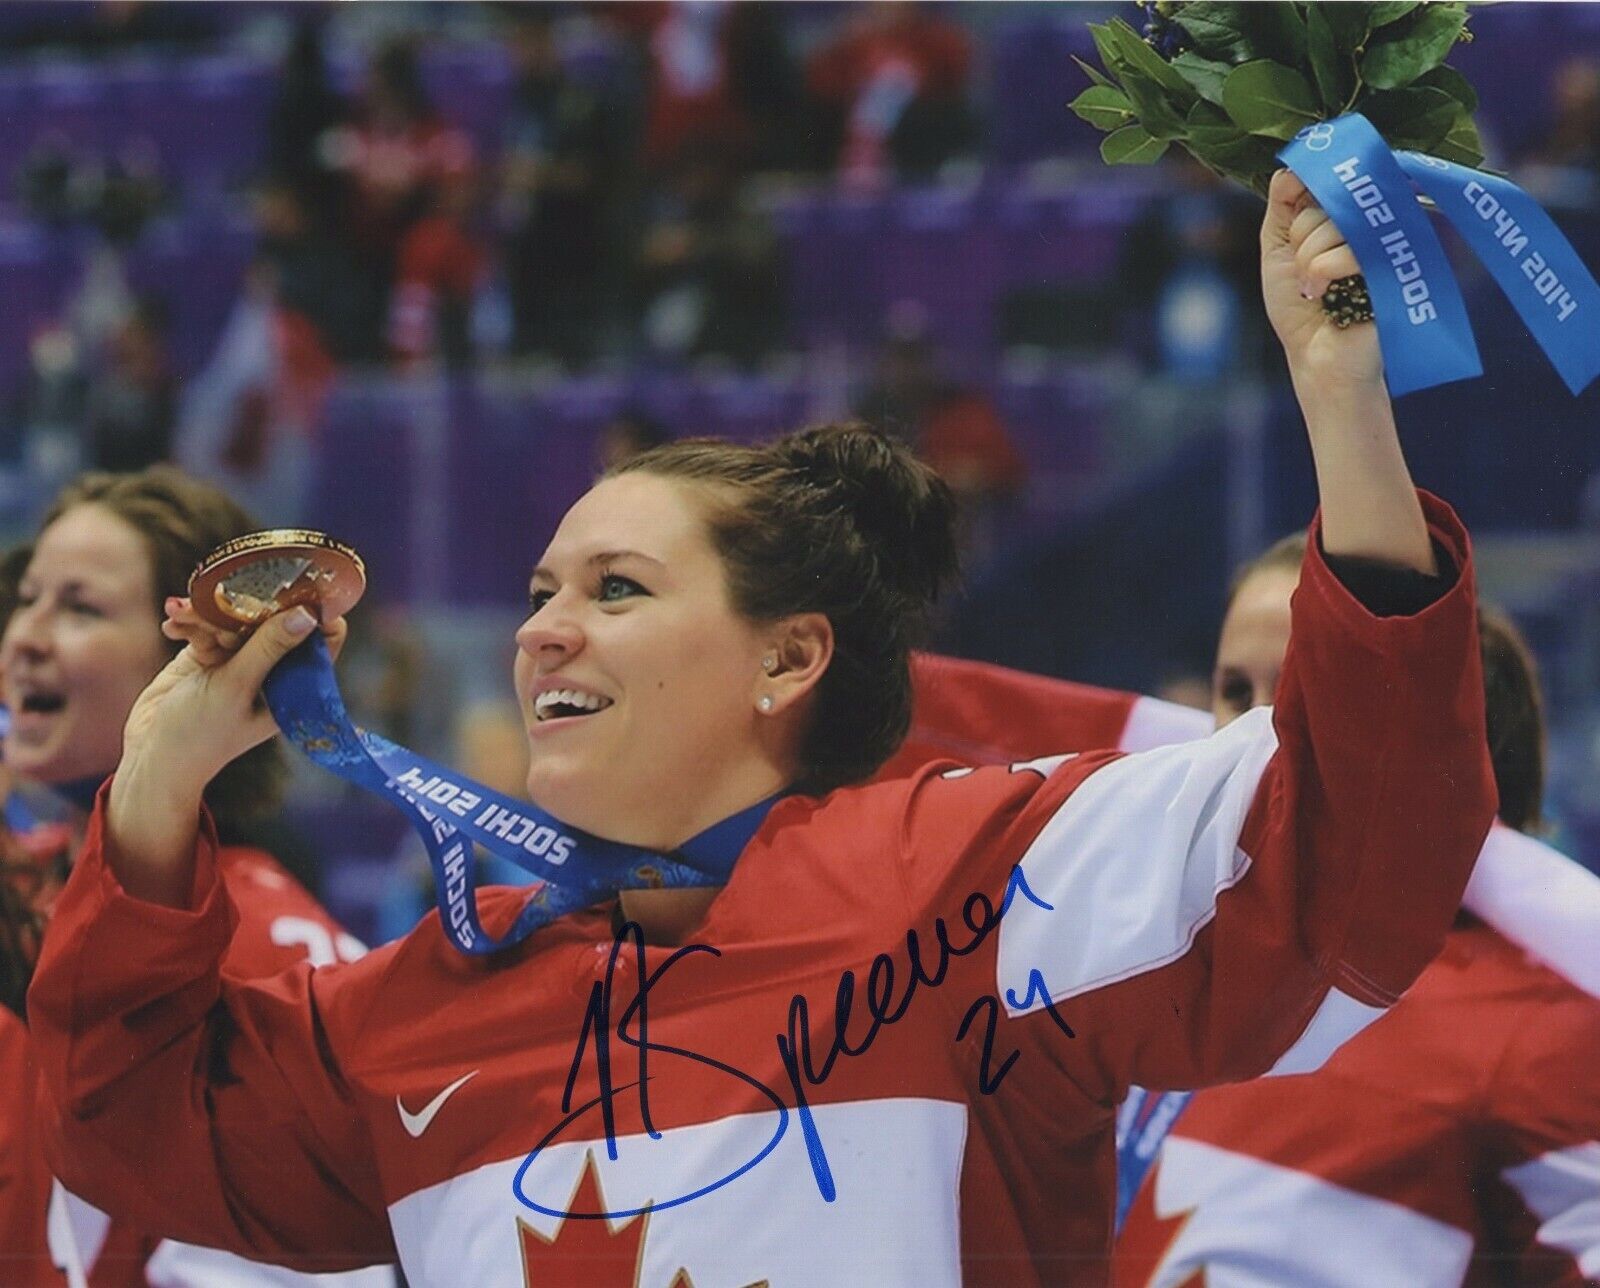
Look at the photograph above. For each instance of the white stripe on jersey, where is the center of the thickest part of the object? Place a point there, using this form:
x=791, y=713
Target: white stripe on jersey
x=183, y=1265
x=1336, y=1239
x=1147, y=843
x=1562, y=1189
x=1338, y=1019
x=1154, y=723
x=1541, y=901
x=78, y=1232
x=896, y=1221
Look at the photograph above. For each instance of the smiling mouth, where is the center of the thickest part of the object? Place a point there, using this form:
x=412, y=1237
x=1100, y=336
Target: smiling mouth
x=567, y=704
x=41, y=704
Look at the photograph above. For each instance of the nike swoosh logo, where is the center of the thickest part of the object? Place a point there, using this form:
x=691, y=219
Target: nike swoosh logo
x=416, y=1124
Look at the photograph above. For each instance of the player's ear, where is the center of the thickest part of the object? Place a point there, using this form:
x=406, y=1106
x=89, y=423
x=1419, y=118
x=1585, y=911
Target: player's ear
x=796, y=658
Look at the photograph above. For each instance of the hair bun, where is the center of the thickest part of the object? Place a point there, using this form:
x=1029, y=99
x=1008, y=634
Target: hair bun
x=899, y=504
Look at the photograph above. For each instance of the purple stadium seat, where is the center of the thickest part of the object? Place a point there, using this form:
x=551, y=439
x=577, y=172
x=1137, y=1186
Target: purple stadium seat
x=16, y=129
x=471, y=88
x=517, y=459
x=750, y=407
x=1034, y=78
x=364, y=481
x=1056, y=421
x=940, y=252
x=69, y=99
x=218, y=129
x=673, y=400
x=833, y=263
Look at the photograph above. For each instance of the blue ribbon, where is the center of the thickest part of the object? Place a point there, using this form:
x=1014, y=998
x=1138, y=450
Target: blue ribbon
x=1143, y=1122
x=1422, y=321
x=1526, y=255
x=1422, y=324
x=450, y=811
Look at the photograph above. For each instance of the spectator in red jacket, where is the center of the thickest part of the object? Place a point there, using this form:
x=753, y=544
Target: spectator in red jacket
x=408, y=167
x=955, y=429
x=893, y=86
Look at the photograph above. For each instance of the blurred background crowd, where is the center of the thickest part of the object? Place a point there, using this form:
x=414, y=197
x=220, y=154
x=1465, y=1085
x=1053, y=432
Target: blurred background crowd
x=413, y=272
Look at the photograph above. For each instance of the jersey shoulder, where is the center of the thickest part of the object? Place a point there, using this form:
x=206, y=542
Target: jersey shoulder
x=280, y=922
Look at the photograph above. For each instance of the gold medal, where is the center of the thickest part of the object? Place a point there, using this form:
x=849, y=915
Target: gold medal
x=245, y=581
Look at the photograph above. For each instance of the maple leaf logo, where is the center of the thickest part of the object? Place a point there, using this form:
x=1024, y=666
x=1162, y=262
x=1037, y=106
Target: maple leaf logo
x=590, y=1252
x=1145, y=1241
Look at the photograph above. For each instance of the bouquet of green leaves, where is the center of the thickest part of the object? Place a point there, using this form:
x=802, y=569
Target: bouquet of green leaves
x=1233, y=82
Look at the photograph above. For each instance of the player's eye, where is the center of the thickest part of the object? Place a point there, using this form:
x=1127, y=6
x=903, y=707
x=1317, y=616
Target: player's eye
x=614, y=588
x=537, y=599
x=1236, y=693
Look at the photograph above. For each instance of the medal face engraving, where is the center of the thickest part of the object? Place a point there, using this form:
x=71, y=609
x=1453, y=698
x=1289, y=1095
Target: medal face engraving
x=244, y=581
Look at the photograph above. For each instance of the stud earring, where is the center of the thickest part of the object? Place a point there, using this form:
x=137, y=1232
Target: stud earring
x=769, y=664
x=766, y=702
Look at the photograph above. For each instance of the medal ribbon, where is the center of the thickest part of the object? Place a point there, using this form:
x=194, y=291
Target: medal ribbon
x=1143, y=1122
x=1526, y=255
x=1422, y=322
x=450, y=811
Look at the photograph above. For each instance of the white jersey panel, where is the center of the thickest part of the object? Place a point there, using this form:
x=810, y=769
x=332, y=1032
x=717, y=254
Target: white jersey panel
x=78, y=1231
x=896, y=1220
x=183, y=1265
x=1338, y=1019
x=1154, y=723
x=1542, y=901
x=1336, y=1239
x=1148, y=842
x=1562, y=1189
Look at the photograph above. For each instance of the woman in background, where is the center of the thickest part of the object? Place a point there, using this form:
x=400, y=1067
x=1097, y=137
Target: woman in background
x=81, y=639
x=1458, y=1141
x=1455, y=1141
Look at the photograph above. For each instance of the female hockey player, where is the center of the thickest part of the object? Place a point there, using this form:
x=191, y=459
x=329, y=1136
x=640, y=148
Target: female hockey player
x=81, y=639
x=891, y=1047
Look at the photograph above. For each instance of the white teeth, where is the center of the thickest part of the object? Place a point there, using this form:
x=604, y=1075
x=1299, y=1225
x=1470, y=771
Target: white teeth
x=550, y=698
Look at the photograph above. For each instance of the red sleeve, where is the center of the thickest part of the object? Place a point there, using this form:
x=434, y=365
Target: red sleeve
x=164, y=1076
x=945, y=53
x=436, y=253
x=24, y=1174
x=980, y=714
x=833, y=73
x=966, y=440
x=1541, y=1124
x=1244, y=903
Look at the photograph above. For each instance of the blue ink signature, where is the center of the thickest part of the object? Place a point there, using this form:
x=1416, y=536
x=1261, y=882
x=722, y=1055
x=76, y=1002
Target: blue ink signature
x=979, y=915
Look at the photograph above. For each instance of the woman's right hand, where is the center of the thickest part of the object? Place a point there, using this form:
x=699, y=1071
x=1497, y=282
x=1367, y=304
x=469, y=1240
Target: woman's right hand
x=202, y=710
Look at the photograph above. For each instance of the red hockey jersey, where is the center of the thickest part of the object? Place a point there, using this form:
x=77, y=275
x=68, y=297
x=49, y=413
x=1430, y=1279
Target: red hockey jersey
x=980, y=714
x=862, y=1069
x=24, y=1174
x=1462, y=1149
x=280, y=925
x=1455, y=1143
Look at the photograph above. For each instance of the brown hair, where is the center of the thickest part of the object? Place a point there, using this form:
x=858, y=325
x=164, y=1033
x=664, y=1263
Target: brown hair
x=180, y=520
x=1512, y=700
x=21, y=931
x=27, y=884
x=1286, y=554
x=1516, y=719
x=839, y=520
